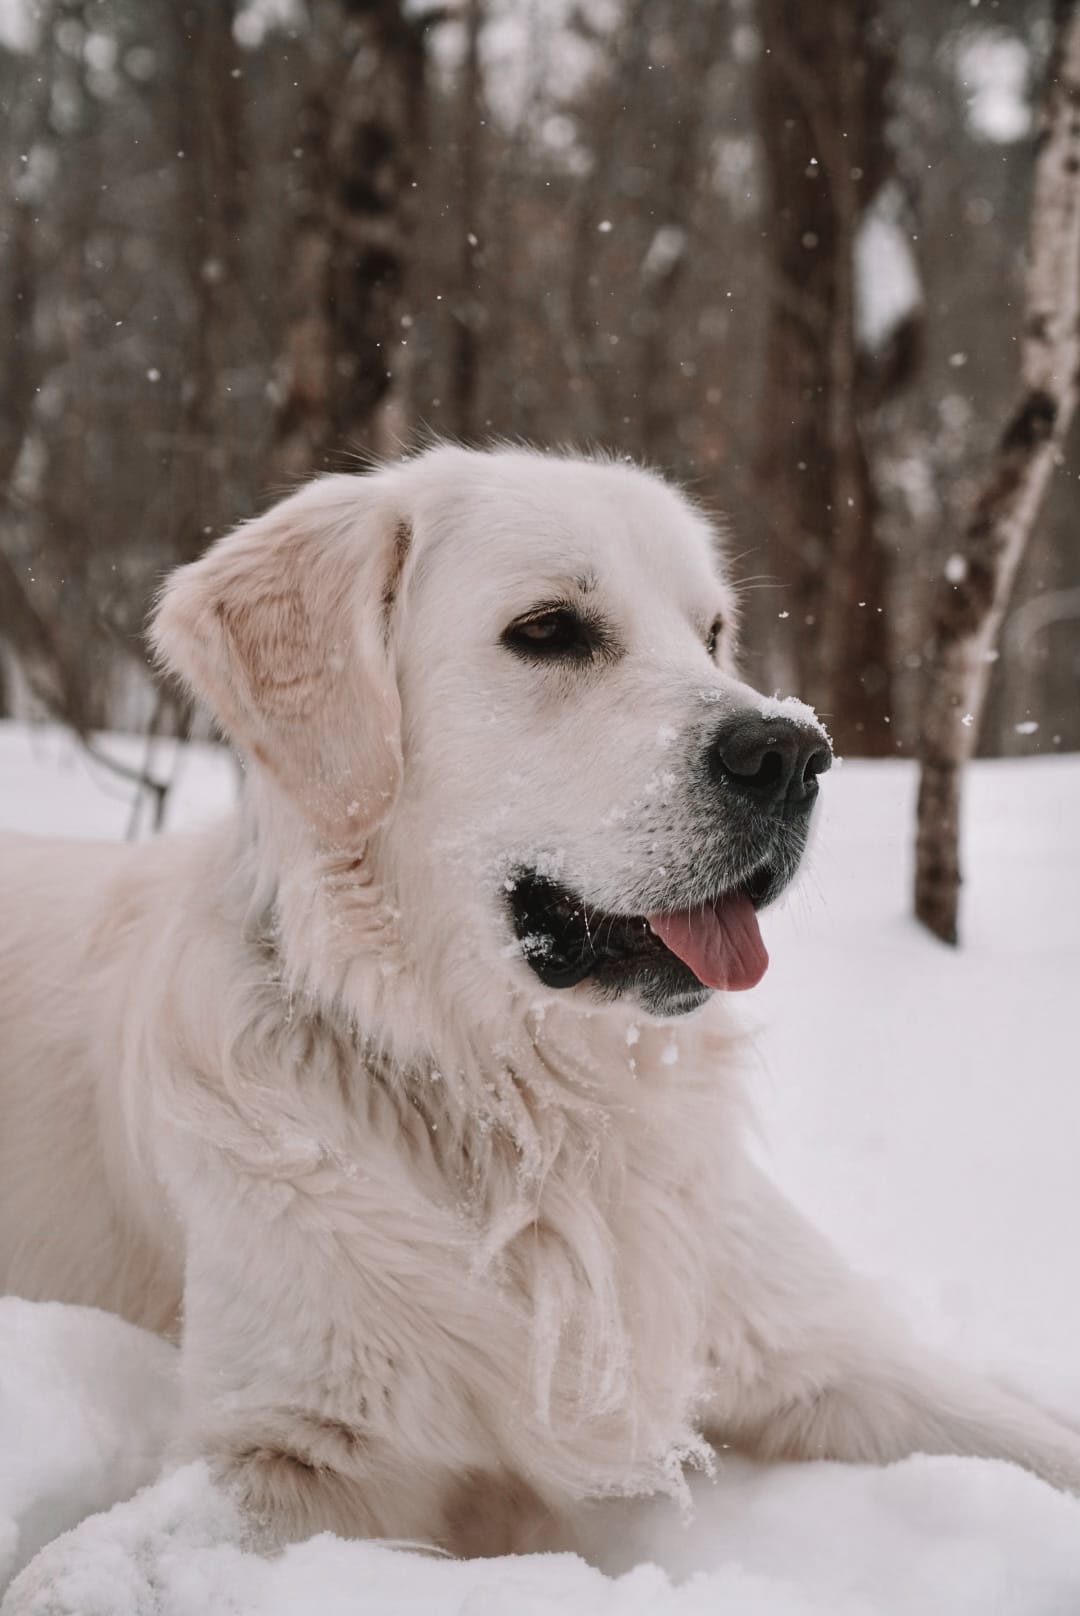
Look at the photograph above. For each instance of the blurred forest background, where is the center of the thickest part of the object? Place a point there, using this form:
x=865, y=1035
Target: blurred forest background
x=775, y=247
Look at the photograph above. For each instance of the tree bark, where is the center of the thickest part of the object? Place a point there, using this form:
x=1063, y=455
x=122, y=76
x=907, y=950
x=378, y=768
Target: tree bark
x=18, y=365
x=30, y=637
x=704, y=26
x=469, y=309
x=821, y=103
x=209, y=132
x=973, y=594
x=589, y=354
x=354, y=210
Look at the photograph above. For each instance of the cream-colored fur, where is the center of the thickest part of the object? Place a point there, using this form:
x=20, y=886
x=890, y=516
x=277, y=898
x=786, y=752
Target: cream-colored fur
x=446, y=1250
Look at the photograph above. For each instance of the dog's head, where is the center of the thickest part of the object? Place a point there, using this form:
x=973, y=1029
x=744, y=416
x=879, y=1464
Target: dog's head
x=506, y=680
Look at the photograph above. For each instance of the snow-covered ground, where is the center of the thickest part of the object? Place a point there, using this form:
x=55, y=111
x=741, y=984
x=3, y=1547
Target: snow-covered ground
x=922, y=1105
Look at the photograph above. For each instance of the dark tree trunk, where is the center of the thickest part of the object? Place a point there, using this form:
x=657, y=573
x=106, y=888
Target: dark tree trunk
x=18, y=359
x=589, y=357
x=469, y=307
x=974, y=594
x=705, y=28
x=23, y=627
x=209, y=127
x=821, y=88
x=354, y=208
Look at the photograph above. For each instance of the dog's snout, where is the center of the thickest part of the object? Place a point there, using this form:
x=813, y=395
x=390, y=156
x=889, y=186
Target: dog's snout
x=775, y=762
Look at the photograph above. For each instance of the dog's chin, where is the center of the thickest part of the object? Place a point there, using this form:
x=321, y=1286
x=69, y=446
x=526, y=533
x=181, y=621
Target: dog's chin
x=569, y=943
x=668, y=988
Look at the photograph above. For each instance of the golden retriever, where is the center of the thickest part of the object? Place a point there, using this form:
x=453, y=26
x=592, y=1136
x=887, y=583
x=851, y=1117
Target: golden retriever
x=408, y=1097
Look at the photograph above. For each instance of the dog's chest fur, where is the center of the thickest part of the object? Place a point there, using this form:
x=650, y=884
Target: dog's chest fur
x=538, y=1297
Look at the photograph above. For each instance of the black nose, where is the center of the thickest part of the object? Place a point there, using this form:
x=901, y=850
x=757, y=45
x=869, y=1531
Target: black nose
x=775, y=762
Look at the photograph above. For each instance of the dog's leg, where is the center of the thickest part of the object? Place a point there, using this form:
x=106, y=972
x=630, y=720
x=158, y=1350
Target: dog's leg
x=296, y=1400
x=810, y=1364
x=327, y=1359
x=293, y=1475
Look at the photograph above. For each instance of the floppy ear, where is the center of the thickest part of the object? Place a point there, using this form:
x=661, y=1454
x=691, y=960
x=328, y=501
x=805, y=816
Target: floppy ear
x=282, y=629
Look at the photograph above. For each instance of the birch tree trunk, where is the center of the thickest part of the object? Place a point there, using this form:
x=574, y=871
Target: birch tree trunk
x=974, y=593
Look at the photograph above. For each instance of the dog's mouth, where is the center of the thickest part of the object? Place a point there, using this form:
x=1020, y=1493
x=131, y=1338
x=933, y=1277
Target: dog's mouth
x=668, y=956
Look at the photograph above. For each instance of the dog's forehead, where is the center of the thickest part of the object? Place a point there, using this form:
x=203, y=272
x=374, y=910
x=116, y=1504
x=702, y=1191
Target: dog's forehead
x=523, y=521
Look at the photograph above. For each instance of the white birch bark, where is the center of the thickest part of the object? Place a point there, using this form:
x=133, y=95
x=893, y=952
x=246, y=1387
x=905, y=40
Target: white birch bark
x=973, y=596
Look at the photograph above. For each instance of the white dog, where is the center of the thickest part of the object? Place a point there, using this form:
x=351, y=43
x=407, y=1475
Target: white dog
x=407, y=1097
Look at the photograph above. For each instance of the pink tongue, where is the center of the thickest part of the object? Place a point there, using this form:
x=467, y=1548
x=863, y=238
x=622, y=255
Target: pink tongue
x=721, y=942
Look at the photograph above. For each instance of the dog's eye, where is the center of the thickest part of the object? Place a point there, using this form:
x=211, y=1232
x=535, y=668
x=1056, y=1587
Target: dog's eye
x=712, y=639
x=553, y=633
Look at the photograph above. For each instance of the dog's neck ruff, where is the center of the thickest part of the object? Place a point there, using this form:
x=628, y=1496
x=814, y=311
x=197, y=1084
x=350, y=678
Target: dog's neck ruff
x=333, y=941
